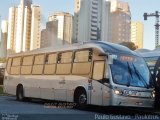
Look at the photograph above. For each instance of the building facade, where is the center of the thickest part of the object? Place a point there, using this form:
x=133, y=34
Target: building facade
x=21, y=19
x=120, y=21
x=49, y=35
x=35, y=28
x=24, y=13
x=12, y=29
x=65, y=21
x=91, y=20
x=3, y=42
x=137, y=29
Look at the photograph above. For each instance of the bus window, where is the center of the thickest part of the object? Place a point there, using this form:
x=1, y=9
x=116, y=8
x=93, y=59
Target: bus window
x=64, y=63
x=38, y=64
x=83, y=56
x=50, y=64
x=15, y=68
x=82, y=62
x=98, y=70
x=27, y=65
x=9, y=62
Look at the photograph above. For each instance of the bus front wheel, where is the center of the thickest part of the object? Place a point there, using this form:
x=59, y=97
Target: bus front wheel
x=81, y=98
x=20, y=94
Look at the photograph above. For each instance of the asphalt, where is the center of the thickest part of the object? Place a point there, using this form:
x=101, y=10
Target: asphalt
x=11, y=109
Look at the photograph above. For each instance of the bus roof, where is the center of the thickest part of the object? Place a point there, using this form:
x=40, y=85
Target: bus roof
x=104, y=47
x=153, y=53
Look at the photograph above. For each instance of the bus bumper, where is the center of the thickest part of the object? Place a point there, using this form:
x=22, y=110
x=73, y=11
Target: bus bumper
x=118, y=100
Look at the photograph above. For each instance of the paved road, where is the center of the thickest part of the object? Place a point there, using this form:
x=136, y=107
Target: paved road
x=11, y=109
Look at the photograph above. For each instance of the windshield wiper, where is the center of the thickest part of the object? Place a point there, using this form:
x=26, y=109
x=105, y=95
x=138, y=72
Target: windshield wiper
x=129, y=69
x=140, y=77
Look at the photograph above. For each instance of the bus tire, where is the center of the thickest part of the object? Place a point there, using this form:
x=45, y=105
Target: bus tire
x=80, y=98
x=20, y=93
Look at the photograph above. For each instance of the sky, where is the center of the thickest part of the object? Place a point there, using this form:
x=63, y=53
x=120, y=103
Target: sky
x=137, y=7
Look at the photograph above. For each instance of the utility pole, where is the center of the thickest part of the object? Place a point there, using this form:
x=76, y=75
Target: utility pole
x=157, y=25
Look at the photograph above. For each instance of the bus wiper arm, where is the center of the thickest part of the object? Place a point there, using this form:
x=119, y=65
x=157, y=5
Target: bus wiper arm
x=130, y=72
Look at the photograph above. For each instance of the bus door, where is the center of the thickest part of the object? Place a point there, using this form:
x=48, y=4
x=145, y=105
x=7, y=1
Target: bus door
x=97, y=83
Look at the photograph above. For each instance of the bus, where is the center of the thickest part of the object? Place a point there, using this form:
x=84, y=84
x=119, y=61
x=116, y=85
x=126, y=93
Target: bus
x=152, y=59
x=92, y=73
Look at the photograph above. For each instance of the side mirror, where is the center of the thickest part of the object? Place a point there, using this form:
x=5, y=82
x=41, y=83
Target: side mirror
x=111, y=58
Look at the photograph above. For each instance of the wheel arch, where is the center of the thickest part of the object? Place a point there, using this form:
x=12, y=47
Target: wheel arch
x=77, y=90
x=18, y=86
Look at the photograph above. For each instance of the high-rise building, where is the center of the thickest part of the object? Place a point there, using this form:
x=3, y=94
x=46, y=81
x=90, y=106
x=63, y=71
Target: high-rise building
x=24, y=15
x=3, y=42
x=26, y=30
x=21, y=34
x=12, y=29
x=49, y=35
x=120, y=21
x=91, y=20
x=64, y=26
x=137, y=29
x=35, y=28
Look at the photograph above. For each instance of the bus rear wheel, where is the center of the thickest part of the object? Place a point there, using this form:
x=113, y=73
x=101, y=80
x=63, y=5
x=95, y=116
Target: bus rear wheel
x=20, y=93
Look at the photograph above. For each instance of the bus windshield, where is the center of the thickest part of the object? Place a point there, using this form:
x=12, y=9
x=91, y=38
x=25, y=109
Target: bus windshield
x=131, y=71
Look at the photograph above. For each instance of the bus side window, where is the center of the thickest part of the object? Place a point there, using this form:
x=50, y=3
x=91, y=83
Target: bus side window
x=64, y=63
x=50, y=64
x=38, y=64
x=27, y=63
x=82, y=62
x=83, y=56
x=98, y=70
x=15, y=68
x=9, y=63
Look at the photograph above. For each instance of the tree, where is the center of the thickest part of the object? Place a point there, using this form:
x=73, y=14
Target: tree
x=130, y=45
x=2, y=60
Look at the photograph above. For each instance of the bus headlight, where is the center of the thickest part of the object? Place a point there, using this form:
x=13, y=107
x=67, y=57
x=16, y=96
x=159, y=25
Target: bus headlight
x=118, y=92
x=153, y=94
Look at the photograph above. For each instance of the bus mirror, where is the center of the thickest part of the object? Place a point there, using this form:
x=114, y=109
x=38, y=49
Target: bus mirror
x=111, y=58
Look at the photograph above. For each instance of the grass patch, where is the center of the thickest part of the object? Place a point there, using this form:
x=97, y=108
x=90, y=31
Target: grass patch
x=1, y=90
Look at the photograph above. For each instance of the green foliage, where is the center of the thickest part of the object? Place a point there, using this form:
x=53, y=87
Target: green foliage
x=1, y=90
x=130, y=45
x=158, y=46
x=2, y=60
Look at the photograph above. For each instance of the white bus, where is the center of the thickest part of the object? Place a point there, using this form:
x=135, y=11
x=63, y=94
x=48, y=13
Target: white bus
x=152, y=59
x=97, y=73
